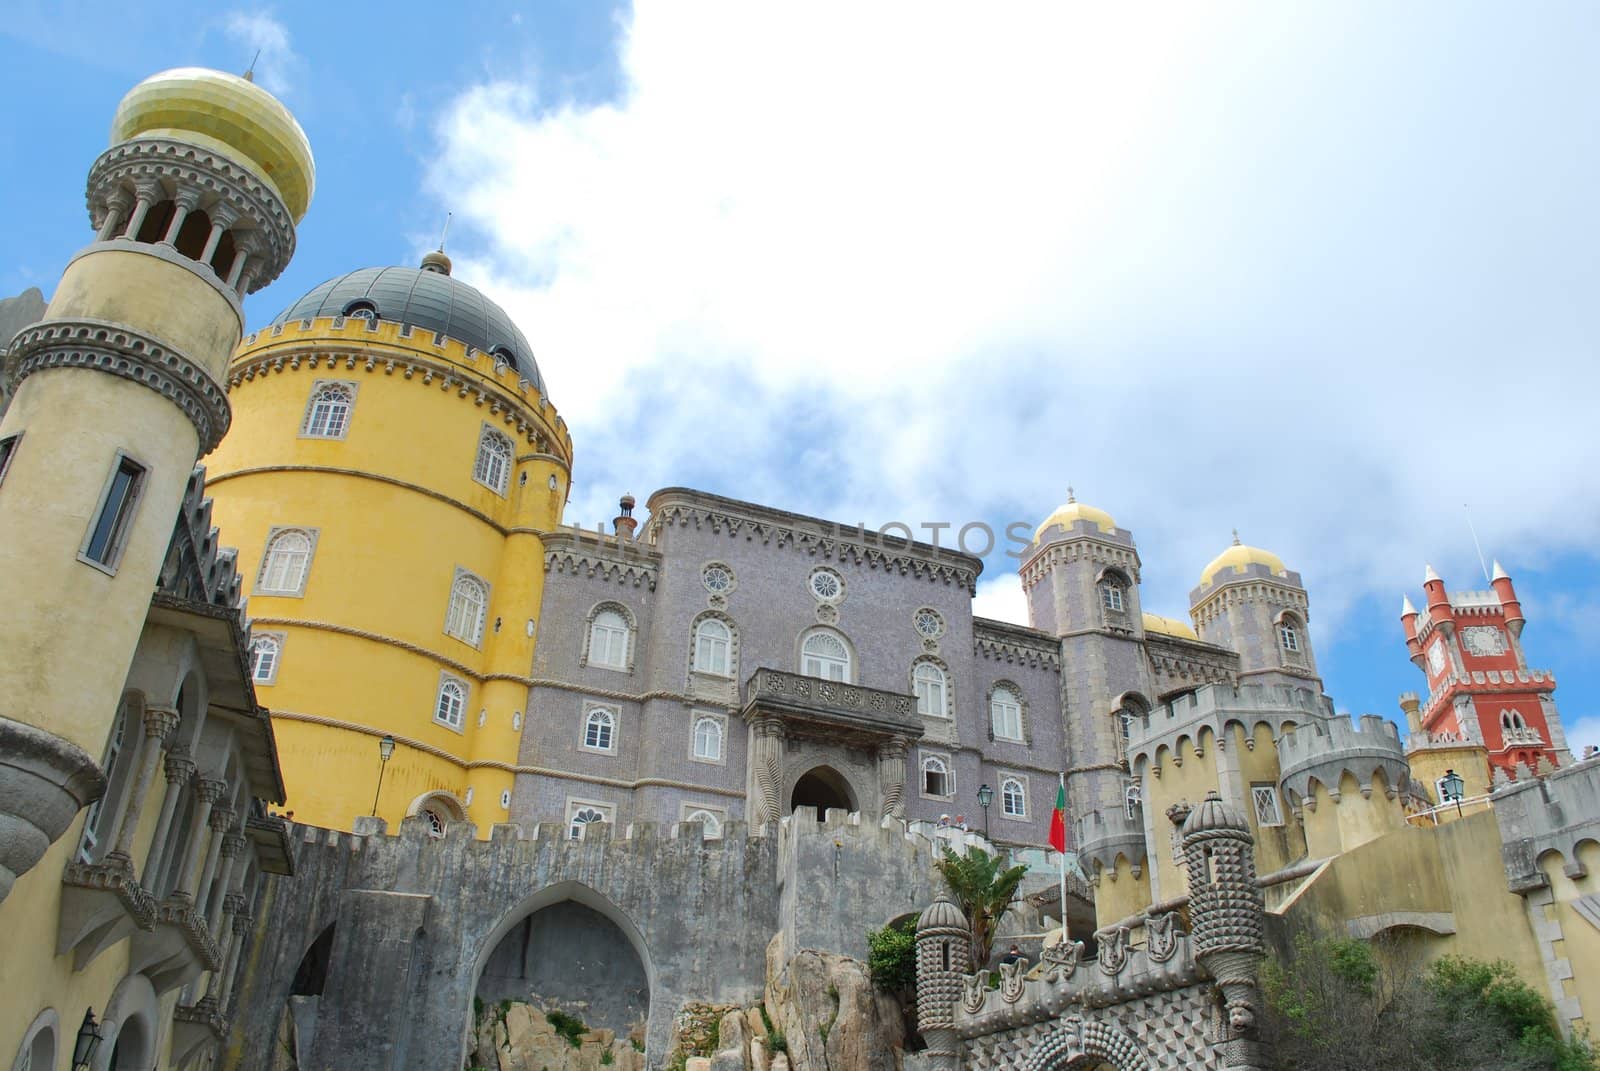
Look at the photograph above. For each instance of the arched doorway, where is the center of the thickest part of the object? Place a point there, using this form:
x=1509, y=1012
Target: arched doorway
x=130, y=1027
x=823, y=787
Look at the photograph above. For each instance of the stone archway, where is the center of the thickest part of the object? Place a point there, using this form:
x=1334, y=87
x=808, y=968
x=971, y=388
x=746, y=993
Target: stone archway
x=130, y=1025
x=823, y=787
x=1080, y=1046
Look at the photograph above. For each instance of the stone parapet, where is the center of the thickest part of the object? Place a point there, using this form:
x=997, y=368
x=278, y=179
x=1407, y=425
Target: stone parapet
x=1325, y=750
x=1551, y=813
x=1216, y=706
x=1104, y=835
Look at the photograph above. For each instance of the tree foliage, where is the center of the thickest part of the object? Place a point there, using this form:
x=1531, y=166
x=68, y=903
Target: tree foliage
x=983, y=892
x=892, y=955
x=1339, y=1004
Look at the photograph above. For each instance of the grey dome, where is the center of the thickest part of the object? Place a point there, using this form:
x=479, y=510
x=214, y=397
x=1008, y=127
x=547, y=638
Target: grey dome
x=429, y=300
x=1213, y=815
x=941, y=915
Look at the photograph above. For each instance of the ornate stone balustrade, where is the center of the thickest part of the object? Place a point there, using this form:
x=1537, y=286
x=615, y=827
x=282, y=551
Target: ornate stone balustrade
x=850, y=707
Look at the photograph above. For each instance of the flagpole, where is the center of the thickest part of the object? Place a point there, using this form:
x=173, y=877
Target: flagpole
x=1063, y=784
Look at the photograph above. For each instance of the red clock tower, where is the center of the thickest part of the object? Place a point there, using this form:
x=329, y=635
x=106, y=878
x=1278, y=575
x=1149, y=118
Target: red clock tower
x=1480, y=689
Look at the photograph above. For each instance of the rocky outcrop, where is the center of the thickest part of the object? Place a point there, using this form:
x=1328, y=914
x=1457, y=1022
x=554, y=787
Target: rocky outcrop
x=520, y=1037
x=830, y=1014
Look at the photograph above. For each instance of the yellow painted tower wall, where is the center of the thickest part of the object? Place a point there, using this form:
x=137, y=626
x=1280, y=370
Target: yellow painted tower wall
x=396, y=513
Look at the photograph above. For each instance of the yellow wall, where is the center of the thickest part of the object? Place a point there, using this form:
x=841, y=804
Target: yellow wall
x=1276, y=846
x=1118, y=893
x=396, y=514
x=1471, y=761
x=1580, y=943
x=1185, y=777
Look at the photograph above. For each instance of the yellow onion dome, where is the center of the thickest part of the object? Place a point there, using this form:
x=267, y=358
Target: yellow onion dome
x=227, y=114
x=1238, y=558
x=1169, y=626
x=1072, y=511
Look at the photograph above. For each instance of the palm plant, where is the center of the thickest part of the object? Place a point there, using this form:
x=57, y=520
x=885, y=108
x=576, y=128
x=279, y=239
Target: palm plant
x=982, y=891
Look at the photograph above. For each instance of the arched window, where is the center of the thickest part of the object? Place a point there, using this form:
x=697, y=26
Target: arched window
x=1013, y=798
x=99, y=821
x=824, y=654
x=264, y=651
x=708, y=739
x=1289, y=635
x=1133, y=800
x=328, y=414
x=1111, y=596
x=583, y=817
x=1005, y=713
x=599, y=730
x=936, y=779
x=469, y=605
x=493, y=467
x=608, y=640
x=286, y=563
x=932, y=690
x=712, y=824
x=713, y=648
x=361, y=310
x=435, y=822
x=450, y=707
x=1131, y=708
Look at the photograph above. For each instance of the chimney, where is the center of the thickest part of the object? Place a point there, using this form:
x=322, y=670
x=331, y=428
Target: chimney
x=624, y=522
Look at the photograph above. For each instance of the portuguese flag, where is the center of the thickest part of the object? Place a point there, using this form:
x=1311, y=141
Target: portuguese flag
x=1058, y=818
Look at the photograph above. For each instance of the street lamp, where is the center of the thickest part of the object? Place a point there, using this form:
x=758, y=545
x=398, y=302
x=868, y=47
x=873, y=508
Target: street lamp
x=985, y=797
x=1452, y=787
x=385, y=751
x=89, y=1039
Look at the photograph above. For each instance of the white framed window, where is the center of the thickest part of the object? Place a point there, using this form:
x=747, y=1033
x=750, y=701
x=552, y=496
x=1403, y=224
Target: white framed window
x=469, y=607
x=936, y=780
x=328, y=410
x=1132, y=800
x=1442, y=789
x=710, y=818
x=713, y=647
x=708, y=735
x=824, y=654
x=581, y=814
x=287, y=562
x=718, y=578
x=1005, y=713
x=266, y=650
x=1111, y=596
x=100, y=817
x=600, y=729
x=1289, y=636
x=928, y=622
x=449, y=707
x=1013, y=798
x=609, y=632
x=505, y=799
x=493, y=465
x=1264, y=799
x=825, y=585
x=107, y=537
x=361, y=310
x=932, y=690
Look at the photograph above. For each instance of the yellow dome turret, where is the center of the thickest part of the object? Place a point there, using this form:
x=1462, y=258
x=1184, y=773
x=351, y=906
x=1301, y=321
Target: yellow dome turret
x=1169, y=626
x=1072, y=511
x=228, y=114
x=1238, y=557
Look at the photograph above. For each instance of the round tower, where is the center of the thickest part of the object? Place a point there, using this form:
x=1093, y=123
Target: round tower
x=944, y=955
x=1249, y=602
x=119, y=390
x=395, y=462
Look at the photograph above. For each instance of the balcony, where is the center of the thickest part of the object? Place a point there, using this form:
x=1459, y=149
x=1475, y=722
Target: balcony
x=178, y=948
x=101, y=903
x=844, y=713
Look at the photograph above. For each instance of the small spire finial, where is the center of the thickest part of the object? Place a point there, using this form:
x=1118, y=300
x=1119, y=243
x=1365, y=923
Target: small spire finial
x=445, y=233
x=1236, y=537
x=250, y=72
x=1070, y=497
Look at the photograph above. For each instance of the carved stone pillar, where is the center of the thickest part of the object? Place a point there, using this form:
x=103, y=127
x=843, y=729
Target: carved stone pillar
x=221, y=820
x=158, y=725
x=116, y=213
x=186, y=200
x=240, y=928
x=148, y=194
x=222, y=217
x=232, y=847
x=892, y=775
x=767, y=762
x=180, y=767
x=208, y=791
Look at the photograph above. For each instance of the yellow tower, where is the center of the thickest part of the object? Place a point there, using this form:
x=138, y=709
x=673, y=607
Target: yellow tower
x=119, y=391
x=393, y=464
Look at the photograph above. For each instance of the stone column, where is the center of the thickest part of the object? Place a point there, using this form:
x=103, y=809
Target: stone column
x=892, y=775
x=232, y=847
x=240, y=930
x=221, y=820
x=158, y=725
x=186, y=200
x=767, y=762
x=208, y=791
x=180, y=767
x=240, y=255
x=222, y=217
x=116, y=208
x=148, y=194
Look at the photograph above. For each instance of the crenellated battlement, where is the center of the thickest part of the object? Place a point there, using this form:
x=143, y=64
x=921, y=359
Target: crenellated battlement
x=1217, y=706
x=1544, y=814
x=1106, y=834
x=1324, y=751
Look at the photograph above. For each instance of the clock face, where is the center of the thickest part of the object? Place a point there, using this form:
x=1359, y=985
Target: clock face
x=1483, y=640
x=1436, y=657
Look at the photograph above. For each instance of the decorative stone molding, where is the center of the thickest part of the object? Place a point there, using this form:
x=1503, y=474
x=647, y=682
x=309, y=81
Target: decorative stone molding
x=150, y=164
x=101, y=903
x=44, y=782
x=121, y=351
x=1076, y=1041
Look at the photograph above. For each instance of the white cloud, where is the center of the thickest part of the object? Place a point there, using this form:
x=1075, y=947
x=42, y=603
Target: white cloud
x=1001, y=598
x=278, y=68
x=1299, y=270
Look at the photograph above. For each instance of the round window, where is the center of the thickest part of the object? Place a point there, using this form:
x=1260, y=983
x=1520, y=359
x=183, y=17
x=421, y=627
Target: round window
x=826, y=585
x=717, y=578
x=929, y=623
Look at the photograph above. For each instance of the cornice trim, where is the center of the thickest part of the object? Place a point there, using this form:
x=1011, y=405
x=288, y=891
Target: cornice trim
x=334, y=470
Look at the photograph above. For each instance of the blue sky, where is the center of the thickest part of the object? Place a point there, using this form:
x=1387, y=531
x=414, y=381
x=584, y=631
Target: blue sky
x=1321, y=272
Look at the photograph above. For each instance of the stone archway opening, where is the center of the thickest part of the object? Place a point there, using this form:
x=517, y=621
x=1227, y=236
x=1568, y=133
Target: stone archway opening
x=823, y=788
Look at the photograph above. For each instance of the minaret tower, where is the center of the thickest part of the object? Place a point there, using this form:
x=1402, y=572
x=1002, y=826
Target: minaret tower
x=119, y=390
x=1250, y=602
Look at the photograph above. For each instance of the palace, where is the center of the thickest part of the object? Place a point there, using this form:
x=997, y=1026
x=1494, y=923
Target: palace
x=418, y=750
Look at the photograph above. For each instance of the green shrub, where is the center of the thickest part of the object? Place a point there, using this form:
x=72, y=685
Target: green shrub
x=568, y=1026
x=892, y=957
